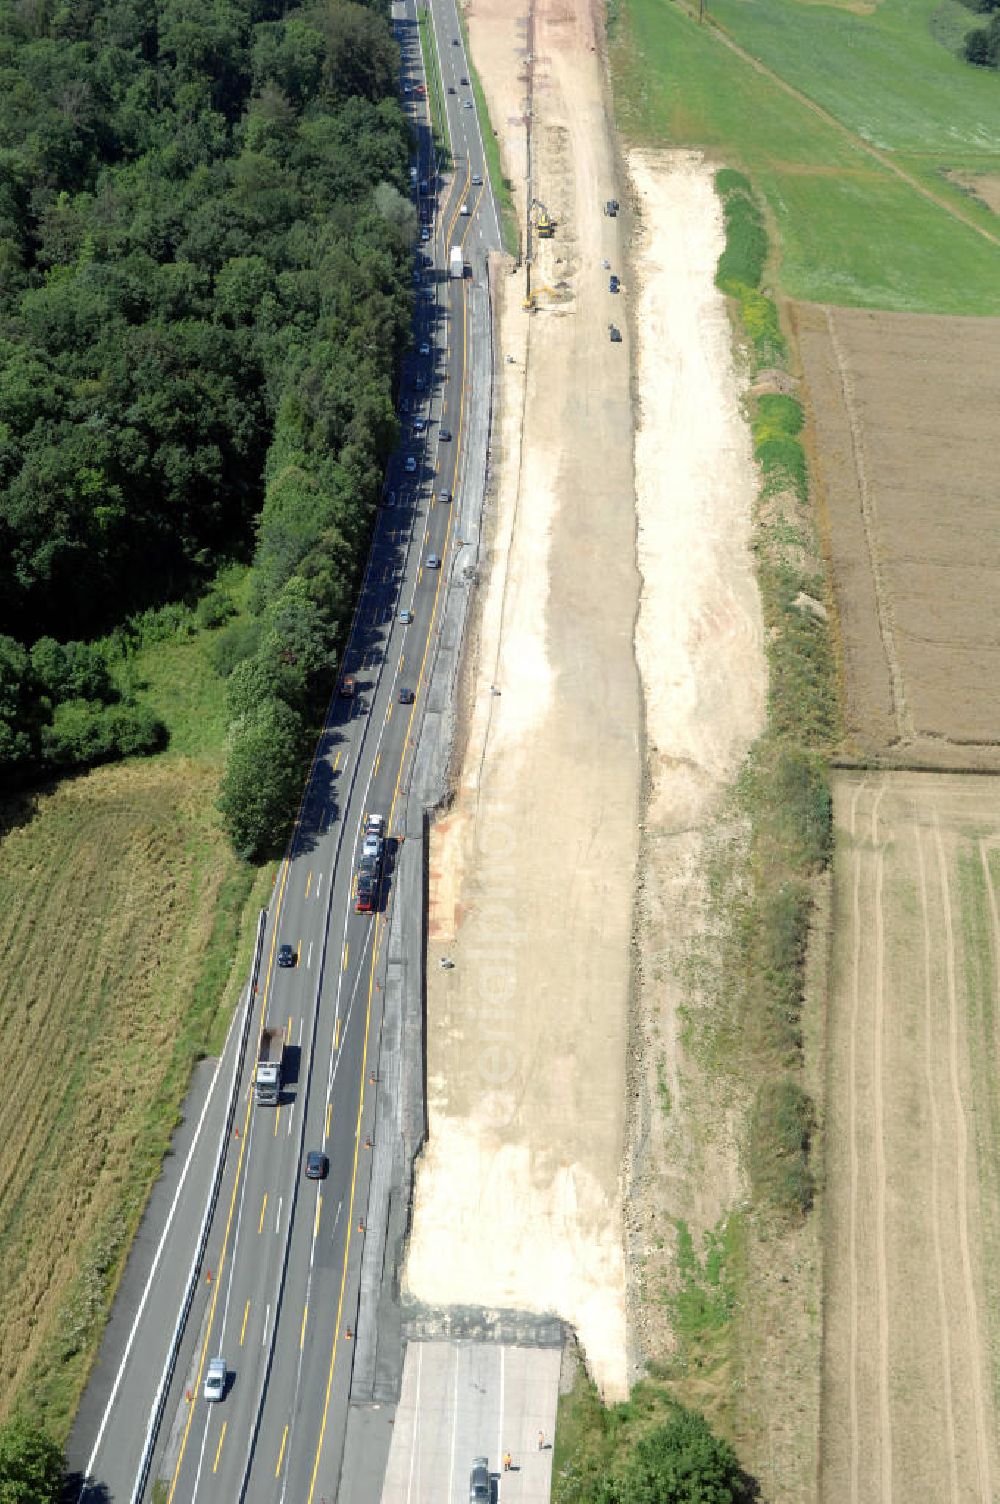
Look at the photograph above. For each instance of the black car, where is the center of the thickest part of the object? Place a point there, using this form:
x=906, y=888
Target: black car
x=367, y=895
x=317, y=1165
x=286, y=956
x=369, y=866
x=445, y=435
x=406, y=696
x=613, y=284
x=463, y=80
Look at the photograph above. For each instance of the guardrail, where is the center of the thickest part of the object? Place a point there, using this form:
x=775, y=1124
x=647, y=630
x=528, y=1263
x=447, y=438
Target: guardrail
x=166, y=1377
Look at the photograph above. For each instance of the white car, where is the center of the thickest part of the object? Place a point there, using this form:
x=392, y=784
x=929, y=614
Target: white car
x=464, y=209
x=373, y=847
x=215, y=1379
x=477, y=180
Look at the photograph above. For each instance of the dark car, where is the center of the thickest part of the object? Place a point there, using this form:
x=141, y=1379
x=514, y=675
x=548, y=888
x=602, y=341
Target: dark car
x=317, y=1165
x=369, y=866
x=464, y=80
x=406, y=696
x=479, y=1481
x=286, y=956
x=445, y=435
x=367, y=896
x=451, y=88
x=613, y=284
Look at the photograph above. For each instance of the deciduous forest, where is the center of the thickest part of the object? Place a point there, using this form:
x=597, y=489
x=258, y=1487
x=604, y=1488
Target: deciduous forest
x=204, y=268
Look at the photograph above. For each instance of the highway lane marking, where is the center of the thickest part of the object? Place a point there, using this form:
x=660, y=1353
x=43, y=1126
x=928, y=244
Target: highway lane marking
x=281, y=1453
x=329, y=1113
x=319, y=884
x=309, y=954
x=415, y=1436
x=215, y=1297
x=263, y=1209
x=302, y=1329
x=319, y=1208
x=336, y=760
x=277, y=1115
x=347, y=1240
x=346, y=953
x=218, y=1450
x=267, y=1317
x=291, y=1118
x=309, y=882
x=92, y=1462
x=336, y=1035
x=243, y=1328
x=301, y=1026
x=277, y=1220
x=378, y=759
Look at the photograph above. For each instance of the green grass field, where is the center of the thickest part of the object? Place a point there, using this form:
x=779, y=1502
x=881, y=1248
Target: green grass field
x=848, y=229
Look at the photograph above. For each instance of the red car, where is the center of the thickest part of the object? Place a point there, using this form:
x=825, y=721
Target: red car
x=367, y=897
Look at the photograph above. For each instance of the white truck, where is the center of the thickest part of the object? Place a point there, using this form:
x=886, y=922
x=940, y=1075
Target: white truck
x=456, y=263
x=270, y=1058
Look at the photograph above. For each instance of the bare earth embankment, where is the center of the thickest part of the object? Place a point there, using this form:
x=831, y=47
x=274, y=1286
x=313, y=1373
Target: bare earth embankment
x=912, y=1210
x=699, y=641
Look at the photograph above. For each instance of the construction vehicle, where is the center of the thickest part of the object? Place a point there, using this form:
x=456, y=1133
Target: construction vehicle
x=270, y=1059
x=545, y=225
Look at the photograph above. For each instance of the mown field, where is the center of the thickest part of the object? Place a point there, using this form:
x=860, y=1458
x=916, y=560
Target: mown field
x=853, y=95
x=122, y=911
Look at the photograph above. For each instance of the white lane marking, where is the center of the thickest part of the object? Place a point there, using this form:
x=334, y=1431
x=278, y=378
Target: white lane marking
x=201, y=1457
x=277, y=1220
x=309, y=962
x=267, y=1317
x=319, y=884
x=416, y=1425
x=500, y=1448
x=302, y=1023
x=454, y=1426
x=236, y=1237
x=92, y=1461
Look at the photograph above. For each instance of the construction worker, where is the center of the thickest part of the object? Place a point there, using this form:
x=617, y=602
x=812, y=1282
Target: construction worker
x=508, y=1462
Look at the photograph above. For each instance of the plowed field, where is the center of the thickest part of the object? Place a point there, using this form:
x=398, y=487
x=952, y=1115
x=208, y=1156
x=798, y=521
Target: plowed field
x=907, y=453
x=912, y=1213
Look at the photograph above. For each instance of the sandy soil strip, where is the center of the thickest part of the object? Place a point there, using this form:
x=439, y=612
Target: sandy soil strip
x=699, y=642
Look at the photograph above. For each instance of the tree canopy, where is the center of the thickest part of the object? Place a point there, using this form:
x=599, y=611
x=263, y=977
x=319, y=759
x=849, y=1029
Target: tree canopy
x=204, y=243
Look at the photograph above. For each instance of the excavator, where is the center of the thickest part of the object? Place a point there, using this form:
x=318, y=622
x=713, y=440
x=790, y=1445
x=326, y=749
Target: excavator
x=545, y=225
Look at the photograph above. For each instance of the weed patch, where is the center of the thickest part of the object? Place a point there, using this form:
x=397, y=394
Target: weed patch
x=781, y=1127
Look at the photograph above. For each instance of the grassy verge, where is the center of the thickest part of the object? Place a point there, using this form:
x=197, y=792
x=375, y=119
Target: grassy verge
x=122, y=974
x=491, y=147
x=849, y=230
x=435, y=89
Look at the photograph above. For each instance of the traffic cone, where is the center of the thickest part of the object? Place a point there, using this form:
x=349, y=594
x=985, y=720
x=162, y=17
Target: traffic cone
x=208, y=1276
x=348, y=1334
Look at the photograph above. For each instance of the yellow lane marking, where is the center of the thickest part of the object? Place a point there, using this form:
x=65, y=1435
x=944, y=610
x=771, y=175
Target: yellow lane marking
x=319, y=1208
x=302, y=1332
x=378, y=759
x=218, y=1450
x=347, y=949
x=350, y=1221
x=243, y=1328
x=375, y=944
x=336, y=760
x=277, y=1116
x=329, y=1111
x=309, y=883
x=281, y=1454
x=336, y=1035
x=263, y=1209
x=388, y=714
x=216, y=1283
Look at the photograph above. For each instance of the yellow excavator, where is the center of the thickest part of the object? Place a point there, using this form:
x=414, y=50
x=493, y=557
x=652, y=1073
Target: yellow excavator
x=545, y=225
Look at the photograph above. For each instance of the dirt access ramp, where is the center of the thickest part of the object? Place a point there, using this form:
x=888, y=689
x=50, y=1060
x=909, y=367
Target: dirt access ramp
x=912, y=1204
x=906, y=454
x=518, y=1197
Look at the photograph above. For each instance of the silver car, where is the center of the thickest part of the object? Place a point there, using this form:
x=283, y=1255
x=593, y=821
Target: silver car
x=215, y=1379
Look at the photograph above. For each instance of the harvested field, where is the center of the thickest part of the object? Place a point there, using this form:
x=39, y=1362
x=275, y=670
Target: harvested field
x=907, y=450
x=108, y=997
x=911, y=1361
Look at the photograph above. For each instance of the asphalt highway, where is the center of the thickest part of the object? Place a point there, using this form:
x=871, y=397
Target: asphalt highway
x=284, y=1286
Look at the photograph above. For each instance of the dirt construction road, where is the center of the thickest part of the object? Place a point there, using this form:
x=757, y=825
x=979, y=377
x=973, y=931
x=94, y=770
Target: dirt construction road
x=518, y=1193
x=912, y=1215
